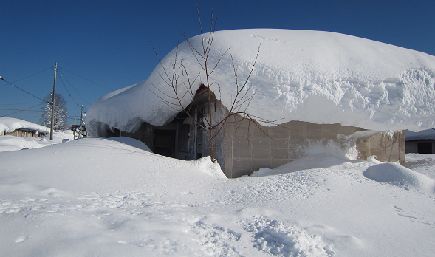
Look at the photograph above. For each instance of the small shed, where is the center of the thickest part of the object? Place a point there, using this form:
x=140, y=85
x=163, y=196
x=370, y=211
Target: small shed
x=319, y=88
x=243, y=147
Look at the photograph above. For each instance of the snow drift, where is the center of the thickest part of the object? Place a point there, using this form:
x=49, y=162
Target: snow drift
x=13, y=143
x=398, y=175
x=311, y=76
x=100, y=165
x=10, y=124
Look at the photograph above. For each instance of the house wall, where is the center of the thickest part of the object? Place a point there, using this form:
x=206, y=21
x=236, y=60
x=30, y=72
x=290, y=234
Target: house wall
x=411, y=147
x=19, y=133
x=248, y=146
x=384, y=145
x=243, y=146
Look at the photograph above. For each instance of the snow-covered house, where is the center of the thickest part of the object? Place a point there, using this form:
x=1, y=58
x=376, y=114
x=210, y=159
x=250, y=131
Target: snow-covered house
x=307, y=89
x=422, y=142
x=21, y=128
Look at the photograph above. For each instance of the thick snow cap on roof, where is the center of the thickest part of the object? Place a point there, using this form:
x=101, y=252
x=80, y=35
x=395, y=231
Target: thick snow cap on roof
x=312, y=76
x=428, y=134
x=10, y=124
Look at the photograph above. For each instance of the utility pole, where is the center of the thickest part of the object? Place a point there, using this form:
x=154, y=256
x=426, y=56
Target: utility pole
x=81, y=122
x=53, y=91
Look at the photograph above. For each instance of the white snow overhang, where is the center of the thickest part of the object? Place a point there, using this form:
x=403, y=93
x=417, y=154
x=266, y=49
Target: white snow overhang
x=312, y=76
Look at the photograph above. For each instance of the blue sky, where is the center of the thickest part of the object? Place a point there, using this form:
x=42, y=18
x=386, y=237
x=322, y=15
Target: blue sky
x=104, y=45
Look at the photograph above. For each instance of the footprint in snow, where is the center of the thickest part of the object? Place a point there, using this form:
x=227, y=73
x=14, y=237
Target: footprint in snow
x=411, y=217
x=285, y=240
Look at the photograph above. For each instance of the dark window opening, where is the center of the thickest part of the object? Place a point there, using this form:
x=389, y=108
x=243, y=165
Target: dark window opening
x=116, y=132
x=424, y=148
x=164, y=142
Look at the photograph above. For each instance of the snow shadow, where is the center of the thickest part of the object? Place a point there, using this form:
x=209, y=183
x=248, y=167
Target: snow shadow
x=131, y=142
x=309, y=162
x=317, y=155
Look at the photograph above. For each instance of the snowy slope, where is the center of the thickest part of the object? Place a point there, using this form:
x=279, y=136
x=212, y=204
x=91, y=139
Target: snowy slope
x=13, y=143
x=10, y=124
x=311, y=76
x=101, y=197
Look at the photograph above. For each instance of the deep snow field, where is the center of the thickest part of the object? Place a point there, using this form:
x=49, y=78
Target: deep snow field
x=112, y=197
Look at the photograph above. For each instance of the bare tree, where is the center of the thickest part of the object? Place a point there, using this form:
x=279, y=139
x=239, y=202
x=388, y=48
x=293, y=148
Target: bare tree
x=182, y=83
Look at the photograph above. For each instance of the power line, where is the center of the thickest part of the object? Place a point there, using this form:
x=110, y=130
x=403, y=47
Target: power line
x=17, y=110
x=71, y=85
x=32, y=74
x=6, y=105
x=91, y=82
x=30, y=109
x=66, y=89
x=20, y=110
x=23, y=90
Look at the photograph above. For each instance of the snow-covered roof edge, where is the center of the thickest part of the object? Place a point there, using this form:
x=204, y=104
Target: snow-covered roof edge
x=10, y=124
x=428, y=134
x=313, y=76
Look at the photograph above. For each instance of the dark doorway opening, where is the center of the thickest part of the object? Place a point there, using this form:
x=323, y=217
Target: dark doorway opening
x=164, y=142
x=424, y=148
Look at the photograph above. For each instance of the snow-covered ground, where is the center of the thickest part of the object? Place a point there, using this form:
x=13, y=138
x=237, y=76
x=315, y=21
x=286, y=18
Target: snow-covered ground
x=12, y=143
x=422, y=163
x=112, y=197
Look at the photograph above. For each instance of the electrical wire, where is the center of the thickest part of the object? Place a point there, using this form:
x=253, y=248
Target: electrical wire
x=71, y=86
x=21, y=110
x=30, y=109
x=91, y=82
x=32, y=74
x=62, y=82
x=23, y=90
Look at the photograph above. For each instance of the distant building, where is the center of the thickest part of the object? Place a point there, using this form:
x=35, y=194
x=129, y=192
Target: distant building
x=25, y=132
x=422, y=142
x=21, y=128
